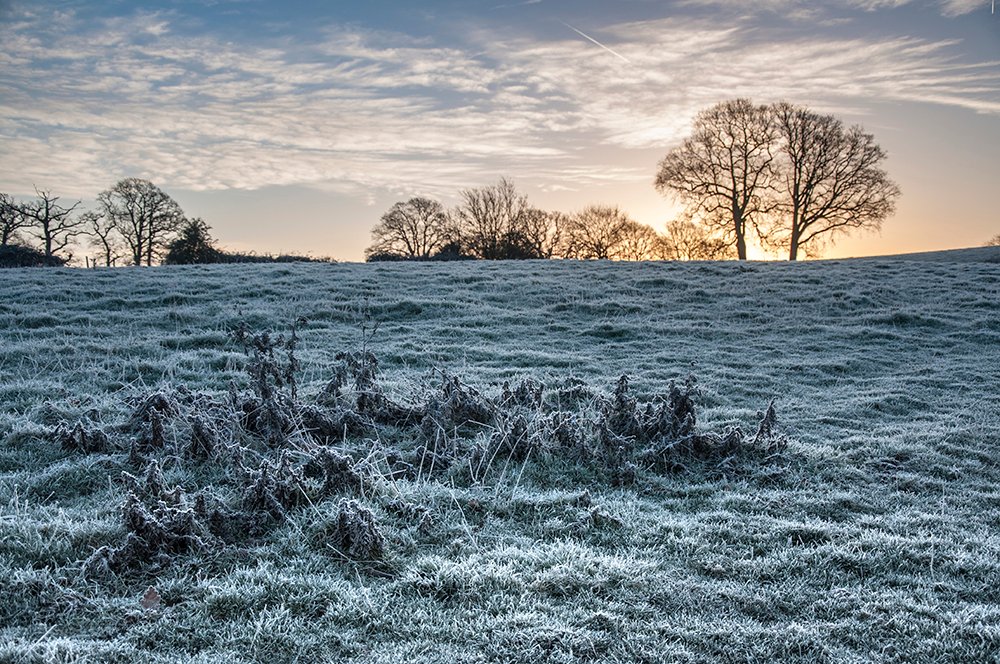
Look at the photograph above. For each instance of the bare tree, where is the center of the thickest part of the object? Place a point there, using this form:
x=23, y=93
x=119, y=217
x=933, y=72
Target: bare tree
x=104, y=237
x=491, y=221
x=993, y=241
x=54, y=225
x=417, y=228
x=831, y=181
x=687, y=241
x=12, y=219
x=542, y=232
x=144, y=215
x=638, y=242
x=723, y=172
x=596, y=232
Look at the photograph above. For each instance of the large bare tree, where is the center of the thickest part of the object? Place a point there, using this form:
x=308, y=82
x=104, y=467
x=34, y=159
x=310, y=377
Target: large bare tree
x=417, y=228
x=831, y=179
x=492, y=219
x=723, y=172
x=54, y=225
x=144, y=215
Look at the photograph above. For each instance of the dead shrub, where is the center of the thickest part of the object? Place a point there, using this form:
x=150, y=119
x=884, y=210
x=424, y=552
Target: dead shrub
x=86, y=439
x=456, y=430
x=461, y=405
x=275, y=488
x=337, y=472
x=356, y=533
x=159, y=525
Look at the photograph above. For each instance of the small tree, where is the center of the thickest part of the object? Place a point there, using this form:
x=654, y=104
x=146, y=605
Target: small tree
x=193, y=245
x=491, y=221
x=12, y=219
x=688, y=241
x=638, y=242
x=144, y=216
x=52, y=224
x=831, y=179
x=103, y=236
x=542, y=233
x=596, y=232
x=724, y=171
x=413, y=229
x=993, y=241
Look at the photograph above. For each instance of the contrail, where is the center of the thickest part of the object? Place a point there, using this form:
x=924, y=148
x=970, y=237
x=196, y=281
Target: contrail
x=591, y=39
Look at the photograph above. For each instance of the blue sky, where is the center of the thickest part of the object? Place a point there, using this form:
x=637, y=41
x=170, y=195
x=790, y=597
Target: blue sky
x=292, y=126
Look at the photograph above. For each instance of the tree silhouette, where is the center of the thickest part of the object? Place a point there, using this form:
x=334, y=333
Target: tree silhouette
x=688, y=241
x=830, y=178
x=492, y=222
x=413, y=229
x=193, y=245
x=54, y=225
x=638, y=242
x=542, y=232
x=12, y=219
x=723, y=172
x=103, y=237
x=596, y=232
x=143, y=214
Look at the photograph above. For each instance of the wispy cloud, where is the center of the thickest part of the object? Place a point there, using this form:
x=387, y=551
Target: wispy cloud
x=524, y=3
x=960, y=7
x=811, y=9
x=83, y=104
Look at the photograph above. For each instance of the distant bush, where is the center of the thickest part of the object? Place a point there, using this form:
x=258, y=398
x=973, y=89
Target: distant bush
x=17, y=255
x=228, y=257
x=386, y=257
x=449, y=252
x=194, y=245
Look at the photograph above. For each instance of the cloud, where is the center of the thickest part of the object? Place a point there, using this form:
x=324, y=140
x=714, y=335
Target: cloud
x=807, y=9
x=960, y=7
x=356, y=110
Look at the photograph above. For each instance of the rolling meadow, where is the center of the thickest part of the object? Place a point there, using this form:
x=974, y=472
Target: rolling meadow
x=442, y=462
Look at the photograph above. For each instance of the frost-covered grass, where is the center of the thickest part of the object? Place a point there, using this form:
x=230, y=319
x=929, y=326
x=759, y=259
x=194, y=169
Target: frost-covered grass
x=874, y=536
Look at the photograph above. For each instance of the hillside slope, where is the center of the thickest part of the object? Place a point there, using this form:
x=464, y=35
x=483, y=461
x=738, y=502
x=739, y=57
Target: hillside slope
x=872, y=536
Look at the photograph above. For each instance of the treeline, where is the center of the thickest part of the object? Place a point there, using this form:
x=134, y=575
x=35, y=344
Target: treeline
x=789, y=177
x=134, y=223
x=496, y=222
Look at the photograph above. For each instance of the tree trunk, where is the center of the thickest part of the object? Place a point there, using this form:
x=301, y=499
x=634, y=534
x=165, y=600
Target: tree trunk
x=741, y=247
x=793, y=250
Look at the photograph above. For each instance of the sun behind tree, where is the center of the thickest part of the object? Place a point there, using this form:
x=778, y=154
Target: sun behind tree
x=795, y=177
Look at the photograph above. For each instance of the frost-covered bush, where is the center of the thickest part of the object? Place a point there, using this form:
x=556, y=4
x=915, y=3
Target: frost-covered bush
x=282, y=453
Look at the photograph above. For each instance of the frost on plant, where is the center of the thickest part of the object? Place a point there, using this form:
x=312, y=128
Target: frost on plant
x=282, y=453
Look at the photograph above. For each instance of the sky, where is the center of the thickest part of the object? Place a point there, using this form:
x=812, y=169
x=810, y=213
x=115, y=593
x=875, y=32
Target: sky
x=293, y=126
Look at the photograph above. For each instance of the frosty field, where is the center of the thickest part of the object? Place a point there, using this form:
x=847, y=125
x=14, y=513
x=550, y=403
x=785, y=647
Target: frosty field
x=866, y=527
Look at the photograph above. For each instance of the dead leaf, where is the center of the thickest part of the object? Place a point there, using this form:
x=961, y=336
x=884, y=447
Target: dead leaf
x=151, y=600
